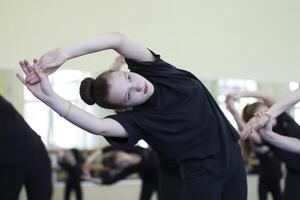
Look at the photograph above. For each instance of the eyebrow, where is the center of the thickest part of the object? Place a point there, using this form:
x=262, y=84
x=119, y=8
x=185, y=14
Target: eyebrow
x=125, y=98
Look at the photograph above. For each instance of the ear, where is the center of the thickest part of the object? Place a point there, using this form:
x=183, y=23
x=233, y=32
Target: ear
x=123, y=109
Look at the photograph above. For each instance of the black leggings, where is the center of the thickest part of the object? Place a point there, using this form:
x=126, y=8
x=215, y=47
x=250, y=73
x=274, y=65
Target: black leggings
x=205, y=182
x=70, y=186
x=292, y=183
x=34, y=173
x=148, y=188
x=269, y=185
x=170, y=185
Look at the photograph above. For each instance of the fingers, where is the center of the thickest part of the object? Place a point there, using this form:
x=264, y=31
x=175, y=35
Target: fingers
x=28, y=69
x=21, y=78
x=24, y=67
x=28, y=66
x=246, y=132
x=43, y=77
x=39, y=73
x=32, y=78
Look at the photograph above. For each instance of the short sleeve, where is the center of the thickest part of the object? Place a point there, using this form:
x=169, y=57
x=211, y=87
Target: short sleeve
x=158, y=66
x=288, y=126
x=130, y=123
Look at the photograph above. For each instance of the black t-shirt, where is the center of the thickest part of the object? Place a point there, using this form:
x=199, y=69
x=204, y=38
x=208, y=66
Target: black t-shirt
x=288, y=127
x=147, y=169
x=180, y=119
x=17, y=139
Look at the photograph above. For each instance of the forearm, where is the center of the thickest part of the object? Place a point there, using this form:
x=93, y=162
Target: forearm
x=75, y=115
x=268, y=100
x=241, y=124
x=273, y=112
x=284, y=104
x=103, y=42
x=93, y=156
x=283, y=142
x=115, y=41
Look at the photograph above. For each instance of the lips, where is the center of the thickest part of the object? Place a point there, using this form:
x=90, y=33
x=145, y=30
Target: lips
x=145, y=88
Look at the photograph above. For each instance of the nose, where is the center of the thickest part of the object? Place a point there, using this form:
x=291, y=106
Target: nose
x=138, y=86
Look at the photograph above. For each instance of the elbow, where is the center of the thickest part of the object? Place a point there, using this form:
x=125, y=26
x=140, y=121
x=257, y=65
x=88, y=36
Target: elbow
x=116, y=38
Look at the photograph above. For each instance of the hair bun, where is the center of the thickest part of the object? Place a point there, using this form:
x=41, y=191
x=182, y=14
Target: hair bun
x=87, y=91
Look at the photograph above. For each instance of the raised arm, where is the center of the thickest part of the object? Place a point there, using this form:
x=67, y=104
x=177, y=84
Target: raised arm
x=79, y=117
x=118, y=63
x=283, y=142
x=268, y=100
x=241, y=124
x=231, y=108
x=286, y=103
x=278, y=108
x=52, y=60
x=114, y=41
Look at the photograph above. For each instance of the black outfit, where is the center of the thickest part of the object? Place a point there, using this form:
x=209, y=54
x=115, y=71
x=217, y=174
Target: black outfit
x=288, y=127
x=182, y=120
x=74, y=176
x=24, y=159
x=170, y=181
x=146, y=169
x=270, y=172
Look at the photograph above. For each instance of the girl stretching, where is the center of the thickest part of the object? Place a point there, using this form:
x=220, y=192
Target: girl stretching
x=167, y=107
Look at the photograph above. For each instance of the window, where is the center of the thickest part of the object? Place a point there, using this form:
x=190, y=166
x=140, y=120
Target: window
x=54, y=130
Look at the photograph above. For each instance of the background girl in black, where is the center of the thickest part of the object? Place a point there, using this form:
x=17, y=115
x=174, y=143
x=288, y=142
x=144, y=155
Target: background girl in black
x=71, y=161
x=270, y=166
x=170, y=109
x=24, y=159
x=120, y=164
x=286, y=126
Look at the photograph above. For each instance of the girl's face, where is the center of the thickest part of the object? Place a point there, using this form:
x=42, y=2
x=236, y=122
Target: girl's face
x=263, y=108
x=128, y=89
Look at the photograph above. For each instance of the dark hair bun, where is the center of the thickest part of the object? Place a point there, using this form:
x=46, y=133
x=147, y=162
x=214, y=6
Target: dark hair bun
x=87, y=91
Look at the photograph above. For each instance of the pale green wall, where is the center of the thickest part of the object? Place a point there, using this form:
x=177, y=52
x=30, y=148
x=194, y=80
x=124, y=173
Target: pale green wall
x=233, y=38
x=2, y=75
x=12, y=89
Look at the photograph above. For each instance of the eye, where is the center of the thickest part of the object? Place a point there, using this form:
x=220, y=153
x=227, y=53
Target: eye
x=129, y=96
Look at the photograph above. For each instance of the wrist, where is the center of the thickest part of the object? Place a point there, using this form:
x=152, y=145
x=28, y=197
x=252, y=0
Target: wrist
x=234, y=113
x=268, y=135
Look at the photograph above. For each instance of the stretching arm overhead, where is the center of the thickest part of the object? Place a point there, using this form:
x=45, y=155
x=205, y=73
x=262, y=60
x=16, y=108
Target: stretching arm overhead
x=267, y=99
x=53, y=59
x=79, y=117
x=280, y=141
x=258, y=122
x=241, y=124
